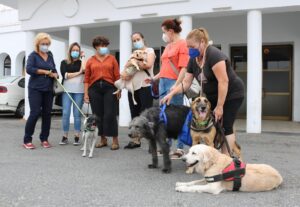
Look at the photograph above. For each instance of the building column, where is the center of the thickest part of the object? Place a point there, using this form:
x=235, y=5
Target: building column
x=30, y=35
x=187, y=25
x=74, y=34
x=125, y=52
x=254, y=71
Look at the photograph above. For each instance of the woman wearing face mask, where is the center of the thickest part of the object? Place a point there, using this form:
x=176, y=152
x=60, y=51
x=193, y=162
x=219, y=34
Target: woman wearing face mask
x=72, y=70
x=174, y=61
x=223, y=88
x=142, y=93
x=41, y=68
x=101, y=71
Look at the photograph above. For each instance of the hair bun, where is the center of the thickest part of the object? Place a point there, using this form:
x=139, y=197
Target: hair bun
x=177, y=21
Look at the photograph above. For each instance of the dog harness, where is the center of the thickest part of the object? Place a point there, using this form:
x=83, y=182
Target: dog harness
x=233, y=172
x=162, y=114
x=202, y=126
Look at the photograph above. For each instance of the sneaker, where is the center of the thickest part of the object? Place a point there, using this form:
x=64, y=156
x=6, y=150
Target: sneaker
x=177, y=154
x=76, y=141
x=64, y=141
x=29, y=146
x=45, y=144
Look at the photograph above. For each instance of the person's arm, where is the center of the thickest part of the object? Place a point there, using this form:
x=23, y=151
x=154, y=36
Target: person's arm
x=116, y=70
x=86, y=81
x=219, y=70
x=182, y=87
x=181, y=76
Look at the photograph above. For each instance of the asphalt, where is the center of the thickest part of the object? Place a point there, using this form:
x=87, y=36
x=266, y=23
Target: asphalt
x=59, y=176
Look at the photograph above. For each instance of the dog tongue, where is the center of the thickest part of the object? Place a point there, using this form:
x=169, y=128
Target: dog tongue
x=202, y=114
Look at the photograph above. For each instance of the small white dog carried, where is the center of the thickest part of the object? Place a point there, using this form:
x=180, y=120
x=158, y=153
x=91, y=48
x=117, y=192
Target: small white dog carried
x=211, y=163
x=133, y=68
x=89, y=135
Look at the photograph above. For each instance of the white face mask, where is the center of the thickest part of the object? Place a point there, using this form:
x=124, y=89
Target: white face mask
x=165, y=38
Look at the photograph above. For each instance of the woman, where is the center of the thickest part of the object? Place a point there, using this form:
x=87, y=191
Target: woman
x=142, y=93
x=102, y=70
x=72, y=70
x=223, y=88
x=174, y=61
x=41, y=68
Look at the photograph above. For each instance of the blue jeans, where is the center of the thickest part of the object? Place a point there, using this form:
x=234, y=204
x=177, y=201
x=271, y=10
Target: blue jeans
x=78, y=98
x=165, y=85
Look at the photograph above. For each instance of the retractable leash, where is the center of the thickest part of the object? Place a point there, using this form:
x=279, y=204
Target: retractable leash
x=79, y=109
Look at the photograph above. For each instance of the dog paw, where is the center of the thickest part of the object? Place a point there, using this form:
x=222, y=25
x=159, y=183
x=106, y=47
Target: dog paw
x=90, y=156
x=181, y=189
x=180, y=184
x=166, y=170
x=190, y=170
x=83, y=155
x=151, y=166
x=81, y=149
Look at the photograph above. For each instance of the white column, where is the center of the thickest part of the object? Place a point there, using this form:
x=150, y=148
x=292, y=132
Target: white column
x=125, y=52
x=74, y=34
x=254, y=71
x=187, y=25
x=30, y=35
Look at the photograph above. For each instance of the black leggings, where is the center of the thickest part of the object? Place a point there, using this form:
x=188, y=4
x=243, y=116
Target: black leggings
x=143, y=98
x=105, y=105
x=230, y=110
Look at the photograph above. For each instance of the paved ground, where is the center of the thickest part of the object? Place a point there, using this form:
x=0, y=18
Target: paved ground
x=61, y=177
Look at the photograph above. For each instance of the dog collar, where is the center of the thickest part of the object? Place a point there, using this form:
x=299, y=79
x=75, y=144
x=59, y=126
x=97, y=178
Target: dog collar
x=201, y=126
x=89, y=129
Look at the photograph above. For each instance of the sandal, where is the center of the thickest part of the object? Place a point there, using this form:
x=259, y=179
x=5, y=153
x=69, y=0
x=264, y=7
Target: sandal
x=115, y=146
x=177, y=154
x=102, y=143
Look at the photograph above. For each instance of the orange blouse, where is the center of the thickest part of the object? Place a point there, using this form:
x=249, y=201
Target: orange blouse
x=178, y=54
x=107, y=70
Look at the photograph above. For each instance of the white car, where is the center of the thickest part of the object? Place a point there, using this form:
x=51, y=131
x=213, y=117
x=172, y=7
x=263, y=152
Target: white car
x=12, y=92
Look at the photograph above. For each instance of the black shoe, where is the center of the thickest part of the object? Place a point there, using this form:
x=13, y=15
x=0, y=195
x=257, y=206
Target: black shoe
x=64, y=141
x=132, y=145
x=76, y=141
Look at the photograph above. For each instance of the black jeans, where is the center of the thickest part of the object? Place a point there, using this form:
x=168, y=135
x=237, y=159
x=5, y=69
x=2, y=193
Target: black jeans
x=40, y=103
x=143, y=98
x=105, y=105
x=230, y=110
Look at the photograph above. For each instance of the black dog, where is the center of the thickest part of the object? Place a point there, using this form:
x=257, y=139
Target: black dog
x=156, y=127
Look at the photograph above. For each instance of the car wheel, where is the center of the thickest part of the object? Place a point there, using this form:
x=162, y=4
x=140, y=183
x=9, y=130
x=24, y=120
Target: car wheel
x=20, y=110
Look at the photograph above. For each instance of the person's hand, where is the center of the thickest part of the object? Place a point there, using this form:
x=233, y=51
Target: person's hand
x=86, y=98
x=82, y=54
x=167, y=99
x=148, y=80
x=218, y=112
x=119, y=94
x=53, y=75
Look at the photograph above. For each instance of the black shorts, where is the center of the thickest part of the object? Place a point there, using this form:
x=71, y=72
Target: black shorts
x=230, y=110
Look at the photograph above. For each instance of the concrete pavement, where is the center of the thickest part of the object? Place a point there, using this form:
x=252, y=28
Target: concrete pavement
x=61, y=177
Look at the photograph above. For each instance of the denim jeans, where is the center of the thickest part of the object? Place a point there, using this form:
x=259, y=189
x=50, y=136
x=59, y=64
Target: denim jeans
x=164, y=87
x=78, y=98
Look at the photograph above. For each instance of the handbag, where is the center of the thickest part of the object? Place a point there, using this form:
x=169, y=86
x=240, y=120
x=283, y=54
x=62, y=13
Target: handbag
x=154, y=87
x=57, y=88
x=185, y=135
x=195, y=88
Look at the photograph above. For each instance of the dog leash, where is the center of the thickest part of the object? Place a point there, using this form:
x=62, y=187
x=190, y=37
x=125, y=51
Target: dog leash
x=71, y=98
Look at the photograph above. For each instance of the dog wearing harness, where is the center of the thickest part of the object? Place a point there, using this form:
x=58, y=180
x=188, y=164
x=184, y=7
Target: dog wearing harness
x=221, y=173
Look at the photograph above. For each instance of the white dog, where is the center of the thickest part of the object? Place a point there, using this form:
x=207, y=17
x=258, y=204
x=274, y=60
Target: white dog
x=133, y=68
x=89, y=134
x=210, y=162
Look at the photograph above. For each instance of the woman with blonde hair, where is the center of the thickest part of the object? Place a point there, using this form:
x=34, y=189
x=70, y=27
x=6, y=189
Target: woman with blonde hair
x=221, y=85
x=72, y=71
x=41, y=68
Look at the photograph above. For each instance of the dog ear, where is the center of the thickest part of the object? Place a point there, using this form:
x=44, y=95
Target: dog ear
x=207, y=155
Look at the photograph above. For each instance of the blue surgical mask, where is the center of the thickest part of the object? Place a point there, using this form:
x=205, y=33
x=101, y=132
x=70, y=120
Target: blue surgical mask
x=138, y=44
x=43, y=48
x=193, y=52
x=75, y=54
x=103, y=50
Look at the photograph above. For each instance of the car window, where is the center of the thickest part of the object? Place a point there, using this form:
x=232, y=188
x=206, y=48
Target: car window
x=21, y=83
x=7, y=79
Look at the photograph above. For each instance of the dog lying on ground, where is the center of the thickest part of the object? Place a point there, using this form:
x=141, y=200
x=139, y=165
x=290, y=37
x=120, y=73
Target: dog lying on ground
x=151, y=126
x=210, y=162
x=137, y=55
x=89, y=135
x=203, y=128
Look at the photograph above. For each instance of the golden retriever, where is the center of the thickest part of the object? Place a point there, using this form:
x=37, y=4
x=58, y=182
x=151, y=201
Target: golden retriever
x=210, y=162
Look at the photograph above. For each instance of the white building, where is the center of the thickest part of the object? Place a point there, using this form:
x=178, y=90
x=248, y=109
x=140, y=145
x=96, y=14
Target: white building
x=261, y=37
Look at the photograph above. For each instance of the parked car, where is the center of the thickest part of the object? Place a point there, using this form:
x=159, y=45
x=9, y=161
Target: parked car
x=12, y=93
